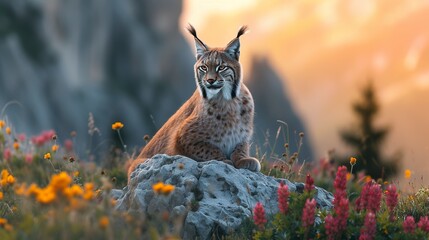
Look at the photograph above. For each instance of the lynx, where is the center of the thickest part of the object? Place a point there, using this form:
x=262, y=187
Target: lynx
x=216, y=123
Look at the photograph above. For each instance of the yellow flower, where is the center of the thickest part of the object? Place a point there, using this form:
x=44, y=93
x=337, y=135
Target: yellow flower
x=407, y=173
x=2, y=124
x=46, y=195
x=74, y=190
x=47, y=156
x=162, y=188
x=3, y=221
x=1, y=195
x=55, y=148
x=352, y=161
x=117, y=126
x=60, y=181
x=368, y=179
x=10, y=179
x=76, y=174
x=157, y=187
x=33, y=189
x=89, y=191
x=16, y=145
x=104, y=222
x=8, y=131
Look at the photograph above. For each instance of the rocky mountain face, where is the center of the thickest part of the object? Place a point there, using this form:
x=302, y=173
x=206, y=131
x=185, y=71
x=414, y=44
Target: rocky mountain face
x=274, y=110
x=210, y=198
x=119, y=60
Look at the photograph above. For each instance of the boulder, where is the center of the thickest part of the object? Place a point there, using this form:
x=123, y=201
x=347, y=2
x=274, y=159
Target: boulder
x=212, y=197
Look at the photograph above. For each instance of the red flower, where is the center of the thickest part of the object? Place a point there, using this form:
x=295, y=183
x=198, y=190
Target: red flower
x=259, y=215
x=330, y=227
x=409, y=224
x=424, y=224
x=340, y=185
x=370, y=197
x=308, y=213
x=342, y=214
x=369, y=228
x=283, y=197
x=309, y=183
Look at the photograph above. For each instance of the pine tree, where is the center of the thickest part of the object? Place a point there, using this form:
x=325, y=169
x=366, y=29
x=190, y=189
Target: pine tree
x=366, y=139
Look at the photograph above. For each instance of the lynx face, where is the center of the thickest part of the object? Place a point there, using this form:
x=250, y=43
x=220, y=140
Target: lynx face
x=218, y=71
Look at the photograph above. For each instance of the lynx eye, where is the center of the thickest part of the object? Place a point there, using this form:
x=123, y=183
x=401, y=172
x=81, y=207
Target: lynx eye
x=221, y=68
x=203, y=68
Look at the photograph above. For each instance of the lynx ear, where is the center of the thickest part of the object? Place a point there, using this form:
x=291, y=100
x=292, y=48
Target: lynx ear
x=200, y=46
x=233, y=47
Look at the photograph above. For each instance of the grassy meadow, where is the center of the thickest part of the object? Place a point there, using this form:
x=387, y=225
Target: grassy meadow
x=50, y=191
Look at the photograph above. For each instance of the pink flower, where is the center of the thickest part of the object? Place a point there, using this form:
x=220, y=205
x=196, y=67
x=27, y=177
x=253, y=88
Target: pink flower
x=391, y=199
x=259, y=215
x=7, y=154
x=68, y=145
x=309, y=183
x=370, y=197
x=342, y=214
x=409, y=224
x=340, y=185
x=29, y=158
x=21, y=137
x=308, y=213
x=369, y=228
x=330, y=227
x=424, y=224
x=283, y=197
x=42, y=138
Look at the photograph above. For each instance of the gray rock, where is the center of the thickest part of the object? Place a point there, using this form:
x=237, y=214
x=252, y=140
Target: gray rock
x=209, y=196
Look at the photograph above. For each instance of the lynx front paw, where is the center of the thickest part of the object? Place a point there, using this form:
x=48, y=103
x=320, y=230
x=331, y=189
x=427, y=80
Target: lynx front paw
x=249, y=163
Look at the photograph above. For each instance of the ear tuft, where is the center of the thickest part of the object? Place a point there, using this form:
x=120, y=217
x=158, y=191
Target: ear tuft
x=233, y=47
x=200, y=46
x=243, y=30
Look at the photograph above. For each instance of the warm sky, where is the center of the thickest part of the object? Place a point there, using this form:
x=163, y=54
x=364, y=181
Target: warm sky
x=326, y=51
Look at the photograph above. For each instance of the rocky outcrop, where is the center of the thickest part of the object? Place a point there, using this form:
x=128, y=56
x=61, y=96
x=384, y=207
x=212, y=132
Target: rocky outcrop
x=212, y=197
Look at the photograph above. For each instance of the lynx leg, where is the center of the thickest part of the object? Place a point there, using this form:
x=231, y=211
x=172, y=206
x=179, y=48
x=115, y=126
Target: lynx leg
x=240, y=158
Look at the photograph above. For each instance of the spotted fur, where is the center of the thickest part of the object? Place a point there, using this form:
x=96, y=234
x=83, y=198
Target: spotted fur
x=216, y=123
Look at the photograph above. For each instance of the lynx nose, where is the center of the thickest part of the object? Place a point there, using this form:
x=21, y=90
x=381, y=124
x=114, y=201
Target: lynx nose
x=211, y=81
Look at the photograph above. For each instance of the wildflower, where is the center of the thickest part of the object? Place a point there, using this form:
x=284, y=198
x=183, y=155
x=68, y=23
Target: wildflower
x=2, y=124
x=28, y=158
x=330, y=227
x=103, y=222
x=55, y=148
x=8, y=131
x=259, y=215
x=352, y=161
x=146, y=138
x=76, y=174
x=391, y=197
x=73, y=191
x=340, y=184
x=68, y=145
x=46, y=195
x=283, y=197
x=167, y=189
x=21, y=137
x=157, y=187
x=309, y=183
x=409, y=224
x=7, y=154
x=47, y=156
x=308, y=213
x=407, y=173
x=89, y=191
x=424, y=224
x=370, y=197
x=369, y=228
x=3, y=221
x=6, y=178
x=16, y=145
x=342, y=214
x=117, y=126
x=1, y=196
x=60, y=181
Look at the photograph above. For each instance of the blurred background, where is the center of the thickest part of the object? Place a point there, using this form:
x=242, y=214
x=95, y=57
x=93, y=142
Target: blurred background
x=306, y=63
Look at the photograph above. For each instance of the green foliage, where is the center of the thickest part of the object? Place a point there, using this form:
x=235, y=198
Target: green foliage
x=366, y=139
